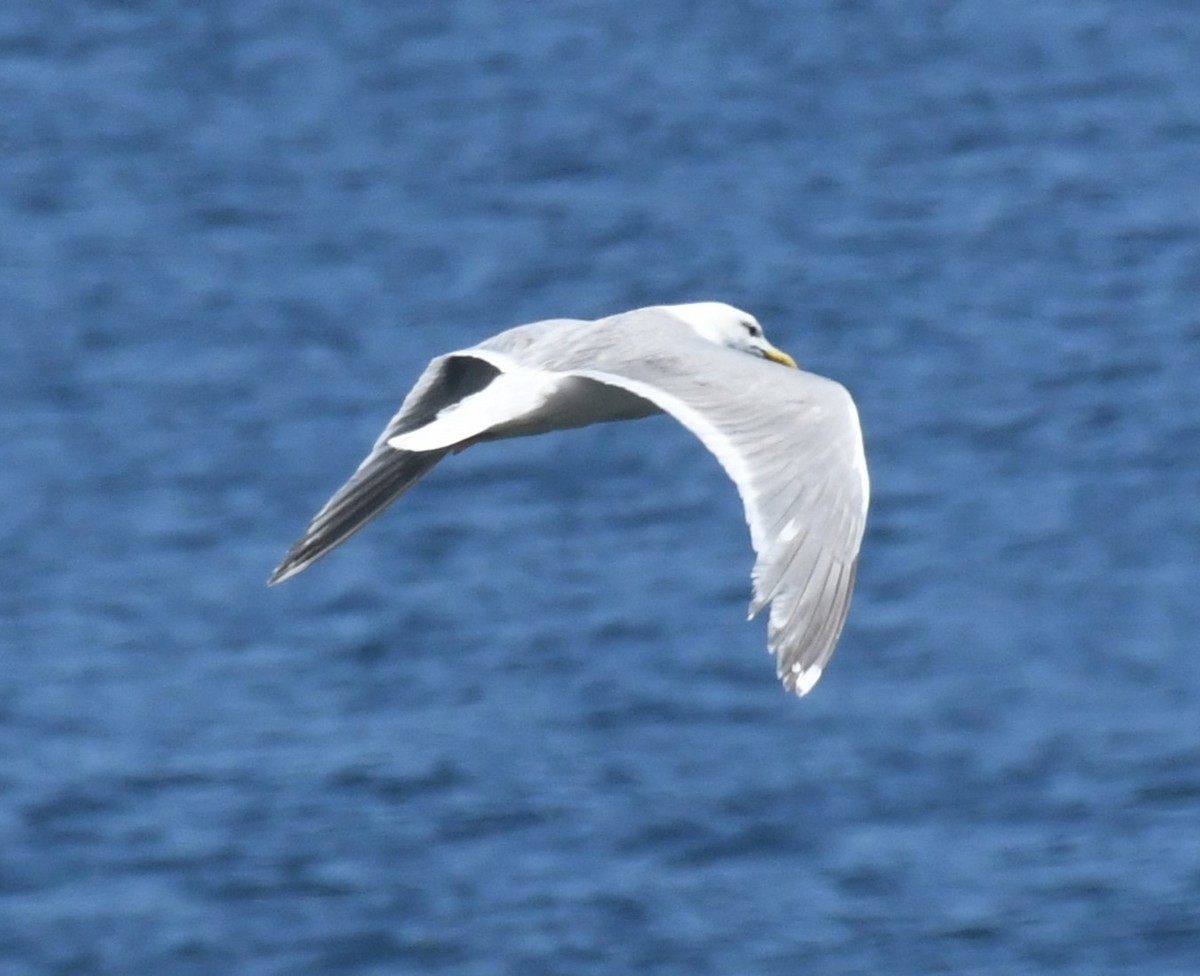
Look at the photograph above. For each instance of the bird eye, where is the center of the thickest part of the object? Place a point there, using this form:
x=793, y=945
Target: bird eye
x=753, y=329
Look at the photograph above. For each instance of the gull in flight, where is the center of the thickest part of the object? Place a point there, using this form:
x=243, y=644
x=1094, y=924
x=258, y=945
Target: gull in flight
x=789, y=440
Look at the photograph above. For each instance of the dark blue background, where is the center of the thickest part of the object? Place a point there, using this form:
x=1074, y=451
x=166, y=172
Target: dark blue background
x=520, y=726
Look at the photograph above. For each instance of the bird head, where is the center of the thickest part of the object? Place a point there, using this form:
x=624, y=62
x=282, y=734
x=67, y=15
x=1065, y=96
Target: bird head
x=727, y=326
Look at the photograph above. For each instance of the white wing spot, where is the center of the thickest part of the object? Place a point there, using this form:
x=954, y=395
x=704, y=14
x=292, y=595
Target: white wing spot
x=789, y=531
x=806, y=680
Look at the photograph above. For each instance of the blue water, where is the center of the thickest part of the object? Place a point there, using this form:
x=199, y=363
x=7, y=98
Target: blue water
x=520, y=725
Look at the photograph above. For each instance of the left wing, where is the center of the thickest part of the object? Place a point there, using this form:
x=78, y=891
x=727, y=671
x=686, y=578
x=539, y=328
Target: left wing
x=387, y=473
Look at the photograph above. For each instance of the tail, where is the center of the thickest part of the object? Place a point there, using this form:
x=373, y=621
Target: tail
x=383, y=477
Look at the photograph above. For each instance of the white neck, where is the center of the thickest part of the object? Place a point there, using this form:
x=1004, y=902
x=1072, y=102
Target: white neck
x=709, y=320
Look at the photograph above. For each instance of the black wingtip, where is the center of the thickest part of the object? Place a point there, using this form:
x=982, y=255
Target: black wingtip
x=302, y=555
x=281, y=572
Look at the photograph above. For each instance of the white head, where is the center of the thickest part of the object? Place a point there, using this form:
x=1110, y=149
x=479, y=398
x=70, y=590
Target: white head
x=730, y=327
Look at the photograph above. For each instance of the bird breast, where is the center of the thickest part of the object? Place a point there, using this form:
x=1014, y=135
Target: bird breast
x=575, y=401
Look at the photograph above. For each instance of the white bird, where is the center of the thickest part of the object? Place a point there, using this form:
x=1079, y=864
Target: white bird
x=790, y=440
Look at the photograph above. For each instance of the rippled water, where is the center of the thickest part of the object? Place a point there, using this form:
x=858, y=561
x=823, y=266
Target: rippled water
x=520, y=726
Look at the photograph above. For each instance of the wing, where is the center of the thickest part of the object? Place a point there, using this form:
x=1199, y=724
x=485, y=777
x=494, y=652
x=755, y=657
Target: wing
x=792, y=444
x=386, y=473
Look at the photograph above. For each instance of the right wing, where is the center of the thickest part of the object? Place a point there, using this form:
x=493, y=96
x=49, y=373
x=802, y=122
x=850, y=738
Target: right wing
x=791, y=443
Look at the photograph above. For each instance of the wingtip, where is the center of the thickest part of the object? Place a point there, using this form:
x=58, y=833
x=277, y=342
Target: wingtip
x=801, y=681
x=798, y=679
x=286, y=570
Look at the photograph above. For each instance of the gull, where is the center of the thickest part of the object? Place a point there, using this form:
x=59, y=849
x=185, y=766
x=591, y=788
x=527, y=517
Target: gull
x=789, y=440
